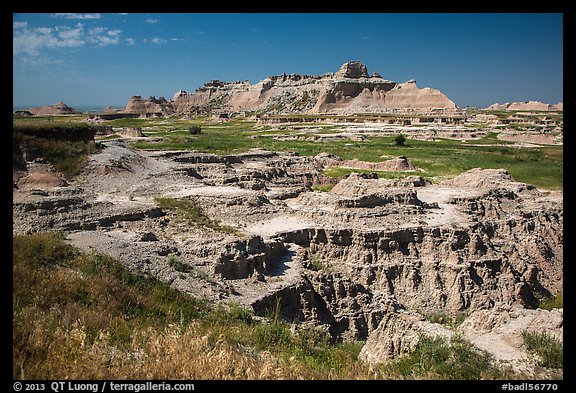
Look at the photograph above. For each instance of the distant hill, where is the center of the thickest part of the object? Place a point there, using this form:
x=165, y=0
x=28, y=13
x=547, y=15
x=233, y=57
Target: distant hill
x=526, y=106
x=59, y=108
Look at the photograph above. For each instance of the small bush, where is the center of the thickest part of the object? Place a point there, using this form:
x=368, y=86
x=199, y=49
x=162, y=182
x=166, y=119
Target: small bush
x=435, y=358
x=241, y=313
x=443, y=318
x=195, y=129
x=556, y=301
x=176, y=263
x=400, y=140
x=440, y=317
x=548, y=348
x=202, y=275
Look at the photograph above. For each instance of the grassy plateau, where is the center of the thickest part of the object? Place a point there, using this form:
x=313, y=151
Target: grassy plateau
x=438, y=160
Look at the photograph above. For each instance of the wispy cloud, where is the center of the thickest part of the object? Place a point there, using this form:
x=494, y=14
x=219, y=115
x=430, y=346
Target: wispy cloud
x=158, y=40
x=19, y=25
x=130, y=41
x=29, y=61
x=31, y=41
x=77, y=16
x=151, y=20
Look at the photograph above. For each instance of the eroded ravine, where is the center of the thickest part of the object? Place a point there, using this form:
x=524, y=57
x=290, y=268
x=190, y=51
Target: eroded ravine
x=351, y=260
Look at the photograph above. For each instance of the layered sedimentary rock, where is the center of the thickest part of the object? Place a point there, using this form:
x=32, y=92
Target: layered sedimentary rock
x=350, y=90
x=526, y=106
x=505, y=245
x=151, y=105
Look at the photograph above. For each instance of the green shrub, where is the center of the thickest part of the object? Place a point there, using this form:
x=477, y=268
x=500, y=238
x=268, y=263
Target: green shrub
x=443, y=318
x=176, y=263
x=556, y=301
x=548, y=348
x=202, y=275
x=399, y=140
x=195, y=129
x=440, y=317
x=435, y=358
x=241, y=313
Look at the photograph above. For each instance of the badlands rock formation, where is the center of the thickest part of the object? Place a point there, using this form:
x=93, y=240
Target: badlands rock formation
x=526, y=106
x=497, y=331
x=368, y=260
x=59, y=108
x=350, y=90
x=151, y=105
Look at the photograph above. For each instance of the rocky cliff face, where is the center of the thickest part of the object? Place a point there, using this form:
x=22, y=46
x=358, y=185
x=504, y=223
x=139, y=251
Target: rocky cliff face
x=349, y=90
x=151, y=105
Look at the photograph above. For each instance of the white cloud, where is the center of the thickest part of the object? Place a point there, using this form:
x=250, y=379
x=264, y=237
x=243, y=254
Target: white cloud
x=44, y=30
x=103, y=36
x=130, y=41
x=19, y=25
x=97, y=30
x=103, y=40
x=151, y=20
x=158, y=40
x=69, y=38
x=77, y=16
x=122, y=13
x=30, y=41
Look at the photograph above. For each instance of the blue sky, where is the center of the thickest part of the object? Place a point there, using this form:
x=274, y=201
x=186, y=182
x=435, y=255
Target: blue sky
x=104, y=59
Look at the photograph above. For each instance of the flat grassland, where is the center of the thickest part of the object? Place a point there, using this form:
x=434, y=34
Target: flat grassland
x=438, y=159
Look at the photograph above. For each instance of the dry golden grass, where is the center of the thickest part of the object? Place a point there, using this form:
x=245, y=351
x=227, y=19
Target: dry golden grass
x=67, y=353
x=79, y=316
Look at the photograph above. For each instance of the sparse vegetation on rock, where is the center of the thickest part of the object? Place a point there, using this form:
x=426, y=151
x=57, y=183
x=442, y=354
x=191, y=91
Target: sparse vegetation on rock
x=548, y=348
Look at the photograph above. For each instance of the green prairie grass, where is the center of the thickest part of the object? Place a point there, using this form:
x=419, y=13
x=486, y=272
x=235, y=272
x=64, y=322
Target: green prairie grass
x=189, y=211
x=440, y=159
